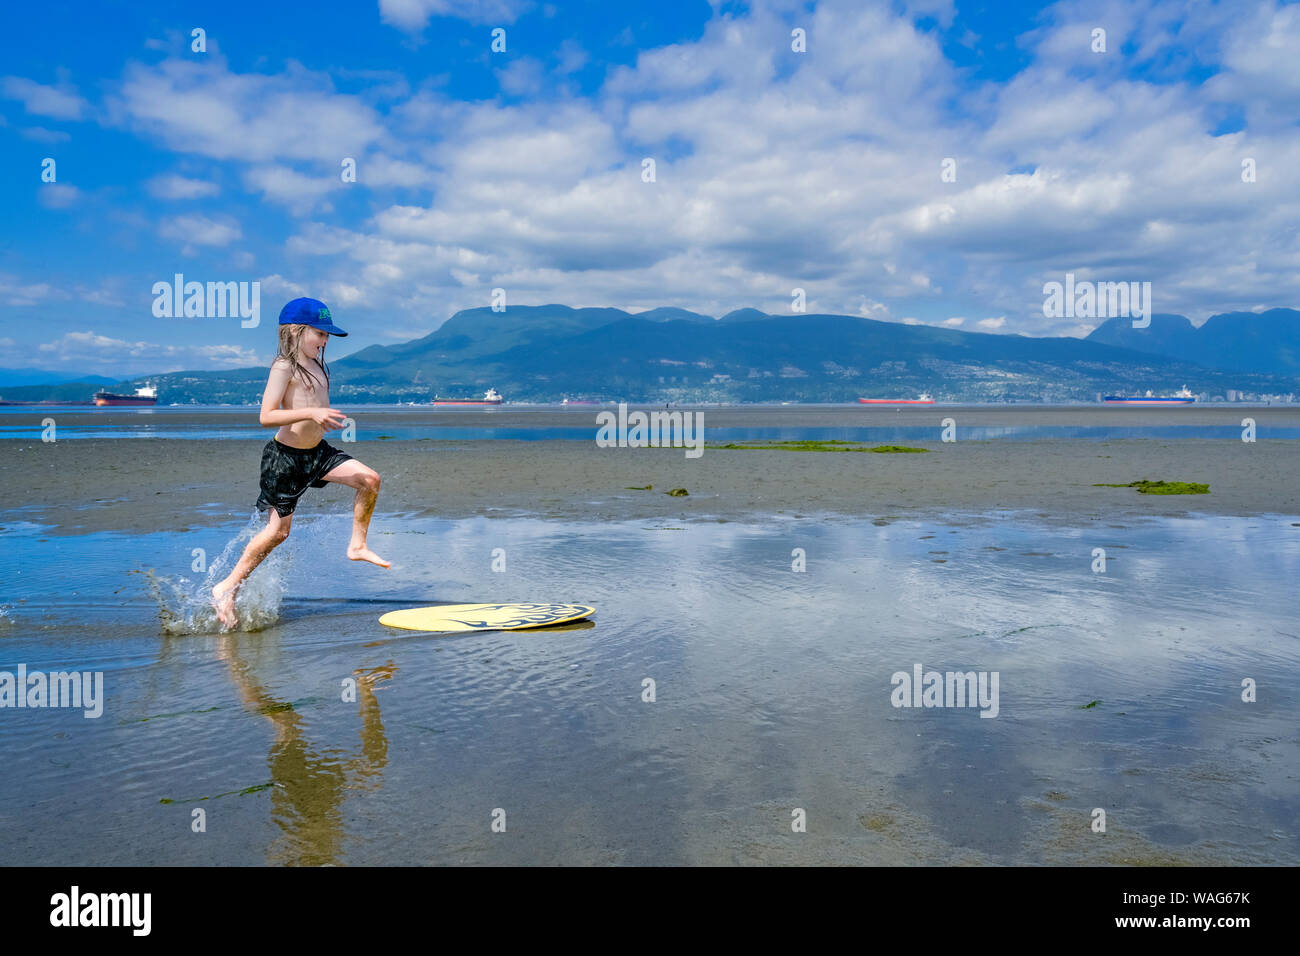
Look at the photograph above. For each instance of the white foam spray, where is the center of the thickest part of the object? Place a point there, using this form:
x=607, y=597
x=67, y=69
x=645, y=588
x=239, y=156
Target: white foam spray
x=185, y=606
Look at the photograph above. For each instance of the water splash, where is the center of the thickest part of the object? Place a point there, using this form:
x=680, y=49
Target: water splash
x=185, y=606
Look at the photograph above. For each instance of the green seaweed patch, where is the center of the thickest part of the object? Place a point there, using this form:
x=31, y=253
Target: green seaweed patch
x=384, y=437
x=280, y=707
x=256, y=788
x=1146, y=487
x=677, y=493
x=640, y=487
x=829, y=444
x=179, y=713
x=1090, y=705
x=1018, y=630
x=896, y=449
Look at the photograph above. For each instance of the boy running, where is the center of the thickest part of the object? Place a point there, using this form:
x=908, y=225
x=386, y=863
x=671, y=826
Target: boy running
x=298, y=457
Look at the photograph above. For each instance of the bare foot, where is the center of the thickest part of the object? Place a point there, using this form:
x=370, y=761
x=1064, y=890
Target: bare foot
x=365, y=554
x=224, y=602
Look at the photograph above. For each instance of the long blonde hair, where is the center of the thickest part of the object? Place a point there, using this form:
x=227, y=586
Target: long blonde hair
x=290, y=340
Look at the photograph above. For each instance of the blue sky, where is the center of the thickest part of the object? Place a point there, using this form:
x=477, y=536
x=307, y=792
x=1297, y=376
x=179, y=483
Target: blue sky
x=522, y=169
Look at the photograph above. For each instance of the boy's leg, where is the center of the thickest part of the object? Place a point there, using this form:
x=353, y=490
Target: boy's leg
x=366, y=481
x=263, y=543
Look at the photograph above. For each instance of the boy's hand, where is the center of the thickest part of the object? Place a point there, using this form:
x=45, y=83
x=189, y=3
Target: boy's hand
x=328, y=418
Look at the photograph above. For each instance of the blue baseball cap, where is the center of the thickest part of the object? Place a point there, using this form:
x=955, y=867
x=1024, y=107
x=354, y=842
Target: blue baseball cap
x=311, y=312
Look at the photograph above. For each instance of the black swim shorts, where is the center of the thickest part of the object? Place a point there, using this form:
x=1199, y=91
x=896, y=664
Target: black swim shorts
x=287, y=472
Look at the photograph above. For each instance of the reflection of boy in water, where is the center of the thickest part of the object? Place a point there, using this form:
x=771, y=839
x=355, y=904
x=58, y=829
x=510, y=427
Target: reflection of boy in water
x=307, y=786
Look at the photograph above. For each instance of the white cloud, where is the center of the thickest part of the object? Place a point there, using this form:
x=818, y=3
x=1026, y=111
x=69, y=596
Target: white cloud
x=14, y=292
x=873, y=310
x=318, y=239
x=39, y=134
x=1263, y=71
x=413, y=15
x=200, y=230
x=62, y=102
x=58, y=195
x=94, y=351
x=776, y=170
x=287, y=186
x=277, y=285
x=572, y=57
x=172, y=186
x=343, y=294
x=82, y=340
x=524, y=74
x=203, y=108
x=382, y=170
x=108, y=293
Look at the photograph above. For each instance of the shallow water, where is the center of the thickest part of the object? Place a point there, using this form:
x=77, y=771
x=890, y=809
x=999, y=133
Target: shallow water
x=773, y=692
x=588, y=433
x=723, y=424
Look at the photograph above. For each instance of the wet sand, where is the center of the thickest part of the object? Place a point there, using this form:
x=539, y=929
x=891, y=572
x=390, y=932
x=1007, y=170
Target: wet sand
x=130, y=484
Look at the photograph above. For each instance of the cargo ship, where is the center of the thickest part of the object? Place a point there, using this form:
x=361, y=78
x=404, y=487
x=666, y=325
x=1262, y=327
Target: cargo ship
x=1183, y=397
x=490, y=397
x=143, y=396
x=923, y=399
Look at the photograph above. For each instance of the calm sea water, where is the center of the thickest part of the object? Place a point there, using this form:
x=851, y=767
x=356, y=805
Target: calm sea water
x=771, y=695
x=746, y=422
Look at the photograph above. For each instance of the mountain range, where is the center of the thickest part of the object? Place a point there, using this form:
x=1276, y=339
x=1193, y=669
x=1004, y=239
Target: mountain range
x=10, y=377
x=545, y=353
x=1266, y=342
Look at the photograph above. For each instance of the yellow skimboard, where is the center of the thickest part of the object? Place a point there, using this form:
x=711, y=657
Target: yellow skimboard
x=485, y=617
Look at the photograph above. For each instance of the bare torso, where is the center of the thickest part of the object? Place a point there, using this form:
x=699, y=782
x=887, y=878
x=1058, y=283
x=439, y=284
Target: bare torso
x=299, y=394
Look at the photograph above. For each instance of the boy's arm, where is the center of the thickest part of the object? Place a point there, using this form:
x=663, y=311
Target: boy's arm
x=272, y=415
